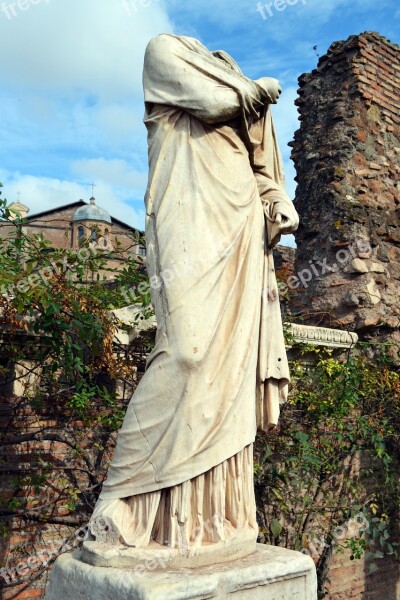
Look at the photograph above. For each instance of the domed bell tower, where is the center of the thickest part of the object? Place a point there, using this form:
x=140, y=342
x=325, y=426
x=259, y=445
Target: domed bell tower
x=90, y=222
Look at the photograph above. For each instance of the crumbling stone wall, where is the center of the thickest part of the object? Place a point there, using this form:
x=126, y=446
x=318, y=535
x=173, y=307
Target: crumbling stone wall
x=347, y=156
x=347, y=266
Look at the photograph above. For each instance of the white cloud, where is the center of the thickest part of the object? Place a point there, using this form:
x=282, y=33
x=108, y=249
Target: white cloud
x=72, y=45
x=71, y=87
x=71, y=94
x=120, y=122
x=115, y=172
x=44, y=193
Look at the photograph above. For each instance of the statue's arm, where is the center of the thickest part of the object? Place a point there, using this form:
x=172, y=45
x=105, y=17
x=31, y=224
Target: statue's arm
x=182, y=73
x=267, y=166
x=282, y=217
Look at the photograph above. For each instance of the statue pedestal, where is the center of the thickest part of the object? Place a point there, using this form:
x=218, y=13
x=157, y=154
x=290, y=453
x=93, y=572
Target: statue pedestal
x=165, y=558
x=270, y=572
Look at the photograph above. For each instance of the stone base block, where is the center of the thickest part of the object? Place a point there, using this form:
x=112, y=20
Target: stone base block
x=270, y=573
x=164, y=557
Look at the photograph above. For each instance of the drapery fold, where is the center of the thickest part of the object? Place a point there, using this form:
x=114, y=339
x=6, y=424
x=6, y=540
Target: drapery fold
x=215, y=187
x=212, y=507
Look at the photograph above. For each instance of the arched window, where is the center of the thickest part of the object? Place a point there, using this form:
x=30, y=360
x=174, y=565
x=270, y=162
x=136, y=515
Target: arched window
x=81, y=232
x=94, y=236
x=106, y=240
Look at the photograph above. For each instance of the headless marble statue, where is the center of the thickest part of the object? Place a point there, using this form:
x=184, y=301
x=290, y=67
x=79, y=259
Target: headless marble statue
x=182, y=473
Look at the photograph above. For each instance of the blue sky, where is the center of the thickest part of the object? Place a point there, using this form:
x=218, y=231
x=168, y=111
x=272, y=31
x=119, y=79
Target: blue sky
x=71, y=99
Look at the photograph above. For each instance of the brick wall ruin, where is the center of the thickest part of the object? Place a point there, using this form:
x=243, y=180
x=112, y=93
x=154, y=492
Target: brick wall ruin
x=347, y=265
x=347, y=156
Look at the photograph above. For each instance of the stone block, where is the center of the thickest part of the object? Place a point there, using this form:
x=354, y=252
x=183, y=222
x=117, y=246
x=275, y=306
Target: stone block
x=270, y=572
x=99, y=554
x=356, y=266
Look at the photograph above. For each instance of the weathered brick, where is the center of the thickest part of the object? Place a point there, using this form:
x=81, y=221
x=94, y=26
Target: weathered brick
x=364, y=170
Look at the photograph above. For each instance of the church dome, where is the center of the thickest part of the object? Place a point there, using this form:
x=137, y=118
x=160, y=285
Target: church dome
x=91, y=212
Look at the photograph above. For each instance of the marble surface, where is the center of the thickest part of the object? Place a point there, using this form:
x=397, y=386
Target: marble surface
x=270, y=572
x=124, y=557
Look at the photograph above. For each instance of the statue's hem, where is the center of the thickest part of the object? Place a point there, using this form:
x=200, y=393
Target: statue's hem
x=161, y=557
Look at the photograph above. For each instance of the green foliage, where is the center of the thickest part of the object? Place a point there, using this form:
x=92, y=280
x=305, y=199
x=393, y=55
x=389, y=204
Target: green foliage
x=63, y=298
x=57, y=325
x=328, y=476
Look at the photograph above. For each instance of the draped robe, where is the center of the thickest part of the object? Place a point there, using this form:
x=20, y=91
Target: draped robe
x=215, y=186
